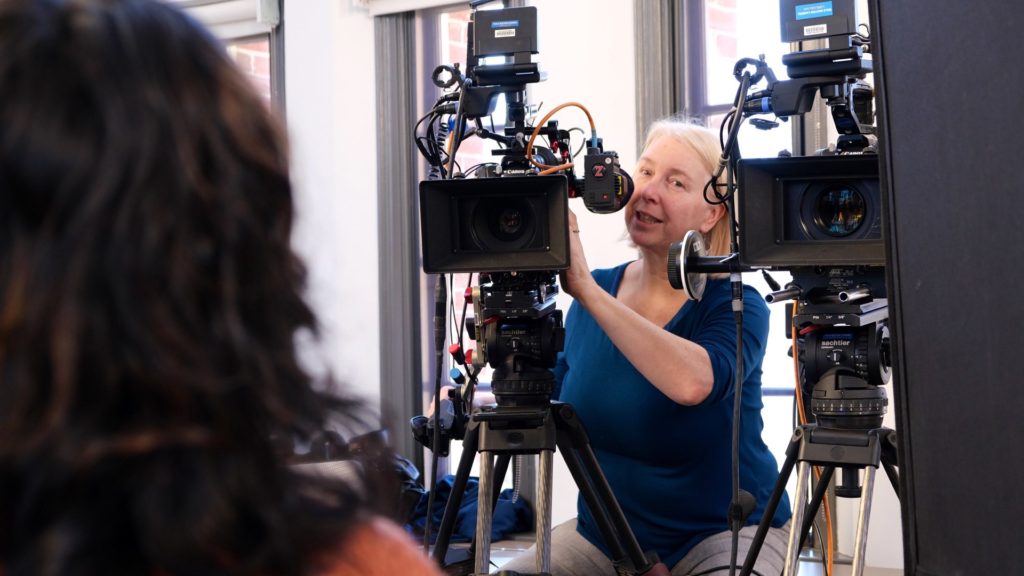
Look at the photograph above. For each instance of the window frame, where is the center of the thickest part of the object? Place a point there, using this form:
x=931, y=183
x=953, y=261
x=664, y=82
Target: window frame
x=691, y=68
x=225, y=26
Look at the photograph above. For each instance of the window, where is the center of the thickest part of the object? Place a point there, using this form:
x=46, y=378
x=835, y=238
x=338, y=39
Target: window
x=252, y=55
x=730, y=30
x=251, y=32
x=452, y=30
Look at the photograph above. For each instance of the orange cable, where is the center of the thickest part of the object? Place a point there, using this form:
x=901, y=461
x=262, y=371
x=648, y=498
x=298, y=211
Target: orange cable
x=796, y=374
x=545, y=169
x=451, y=144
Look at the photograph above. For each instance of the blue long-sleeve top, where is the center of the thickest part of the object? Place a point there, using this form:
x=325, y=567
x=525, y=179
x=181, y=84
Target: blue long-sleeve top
x=669, y=465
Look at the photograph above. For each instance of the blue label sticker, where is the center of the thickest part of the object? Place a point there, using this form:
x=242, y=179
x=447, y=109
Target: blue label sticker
x=515, y=23
x=816, y=10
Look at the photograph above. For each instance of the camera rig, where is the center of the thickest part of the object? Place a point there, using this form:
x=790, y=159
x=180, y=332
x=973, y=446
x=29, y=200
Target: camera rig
x=509, y=225
x=818, y=217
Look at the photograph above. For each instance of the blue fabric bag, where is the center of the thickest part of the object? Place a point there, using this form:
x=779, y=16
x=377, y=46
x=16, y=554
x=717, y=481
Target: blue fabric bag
x=509, y=517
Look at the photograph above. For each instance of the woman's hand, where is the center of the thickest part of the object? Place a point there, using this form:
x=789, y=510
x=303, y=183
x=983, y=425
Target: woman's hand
x=576, y=280
x=480, y=398
x=444, y=394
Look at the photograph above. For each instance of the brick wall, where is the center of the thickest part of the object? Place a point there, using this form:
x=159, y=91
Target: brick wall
x=473, y=150
x=253, y=56
x=721, y=27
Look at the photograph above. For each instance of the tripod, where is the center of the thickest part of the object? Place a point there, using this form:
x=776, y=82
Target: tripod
x=504, y=431
x=851, y=450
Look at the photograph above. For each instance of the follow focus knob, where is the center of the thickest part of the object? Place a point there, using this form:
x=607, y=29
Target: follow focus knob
x=693, y=282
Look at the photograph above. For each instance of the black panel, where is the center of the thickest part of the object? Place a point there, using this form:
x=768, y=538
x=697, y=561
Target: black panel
x=951, y=115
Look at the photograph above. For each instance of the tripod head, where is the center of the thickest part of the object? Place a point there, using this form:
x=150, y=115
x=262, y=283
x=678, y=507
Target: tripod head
x=841, y=314
x=519, y=333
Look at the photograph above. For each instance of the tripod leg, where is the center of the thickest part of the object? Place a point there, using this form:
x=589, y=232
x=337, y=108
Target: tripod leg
x=498, y=479
x=893, y=477
x=890, y=459
x=862, y=521
x=571, y=439
x=819, y=495
x=618, y=518
x=484, y=514
x=892, y=474
x=543, y=517
x=586, y=471
x=451, y=510
x=604, y=523
x=500, y=469
x=772, y=506
x=793, y=548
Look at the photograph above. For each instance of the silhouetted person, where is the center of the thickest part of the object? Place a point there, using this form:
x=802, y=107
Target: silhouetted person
x=149, y=308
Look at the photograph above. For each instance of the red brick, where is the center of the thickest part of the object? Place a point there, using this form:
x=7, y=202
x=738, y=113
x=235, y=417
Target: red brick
x=455, y=30
x=244, y=61
x=261, y=64
x=726, y=45
x=262, y=85
x=458, y=54
x=721, y=19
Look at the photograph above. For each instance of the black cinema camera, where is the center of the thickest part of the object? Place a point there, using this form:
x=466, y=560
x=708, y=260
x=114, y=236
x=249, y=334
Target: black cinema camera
x=819, y=217
x=506, y=220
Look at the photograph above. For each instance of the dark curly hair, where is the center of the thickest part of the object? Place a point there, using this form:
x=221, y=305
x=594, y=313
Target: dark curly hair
x=149, y=307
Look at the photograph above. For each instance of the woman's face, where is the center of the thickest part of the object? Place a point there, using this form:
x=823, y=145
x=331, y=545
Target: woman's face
x=668, y=199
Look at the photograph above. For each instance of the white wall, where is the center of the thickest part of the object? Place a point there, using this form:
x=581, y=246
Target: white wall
x=330, y=99
x=586, y=47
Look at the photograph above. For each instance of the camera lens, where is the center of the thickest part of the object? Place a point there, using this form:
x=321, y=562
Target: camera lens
x=508, y=223
x=839, y=210
x=504, y=224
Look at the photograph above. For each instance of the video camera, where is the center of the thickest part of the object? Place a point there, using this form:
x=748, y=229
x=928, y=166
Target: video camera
x=818, y=217
x=507, y=220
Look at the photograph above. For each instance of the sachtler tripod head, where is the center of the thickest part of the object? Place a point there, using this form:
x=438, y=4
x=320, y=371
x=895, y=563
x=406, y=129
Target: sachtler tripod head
x=519, y=333
x=840, y=315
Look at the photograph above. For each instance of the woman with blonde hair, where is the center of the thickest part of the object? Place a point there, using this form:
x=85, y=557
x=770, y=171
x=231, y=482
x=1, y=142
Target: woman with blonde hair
x=651, y=375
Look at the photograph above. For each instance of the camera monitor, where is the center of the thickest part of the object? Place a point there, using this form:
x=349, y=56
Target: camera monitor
x=505, y=32
x=808, y=211
x=495, y=224
x=811, y=19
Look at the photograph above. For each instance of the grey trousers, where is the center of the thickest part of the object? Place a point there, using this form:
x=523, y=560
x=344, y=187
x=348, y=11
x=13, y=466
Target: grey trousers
x=573, y=555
